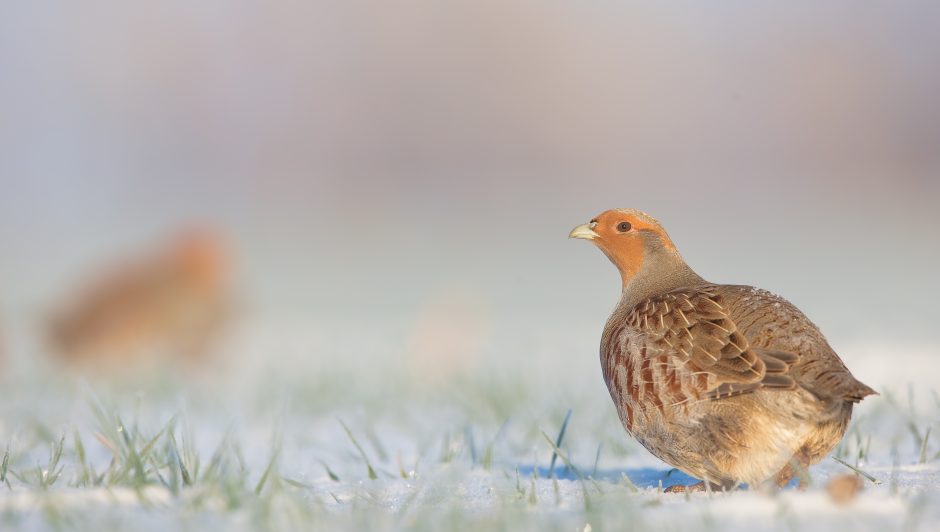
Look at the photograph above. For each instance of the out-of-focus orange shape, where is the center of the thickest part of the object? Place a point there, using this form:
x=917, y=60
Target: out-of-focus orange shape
x=447, y=338
x=168, y=306
x=843, y=489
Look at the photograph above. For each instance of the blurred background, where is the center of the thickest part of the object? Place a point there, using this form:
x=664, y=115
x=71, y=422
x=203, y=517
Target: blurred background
x=394, y=181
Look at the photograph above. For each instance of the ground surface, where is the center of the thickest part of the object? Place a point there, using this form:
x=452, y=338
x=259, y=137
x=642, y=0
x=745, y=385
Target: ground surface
x=280, y=437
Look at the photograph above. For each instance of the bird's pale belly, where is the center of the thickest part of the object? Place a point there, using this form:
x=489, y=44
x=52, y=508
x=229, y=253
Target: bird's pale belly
x=726, y=441
x=704, y=444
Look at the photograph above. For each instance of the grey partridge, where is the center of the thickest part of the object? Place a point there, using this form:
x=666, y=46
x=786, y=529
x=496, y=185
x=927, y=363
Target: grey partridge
x=170, y=304
x=730, y=384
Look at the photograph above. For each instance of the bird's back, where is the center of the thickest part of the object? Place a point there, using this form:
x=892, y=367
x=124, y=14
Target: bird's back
x=769, y=321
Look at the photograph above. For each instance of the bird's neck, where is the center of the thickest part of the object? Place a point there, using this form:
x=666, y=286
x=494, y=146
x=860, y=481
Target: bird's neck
x=661, y=272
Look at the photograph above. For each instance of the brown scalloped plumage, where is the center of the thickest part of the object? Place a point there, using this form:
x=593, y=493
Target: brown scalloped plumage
x=728, y=383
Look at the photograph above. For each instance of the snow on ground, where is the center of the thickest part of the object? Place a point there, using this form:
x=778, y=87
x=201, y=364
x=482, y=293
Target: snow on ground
x=290, y=430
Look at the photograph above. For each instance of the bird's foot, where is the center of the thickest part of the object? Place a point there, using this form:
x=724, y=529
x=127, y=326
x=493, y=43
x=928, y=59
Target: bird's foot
x=798, y=467
x=691, y=488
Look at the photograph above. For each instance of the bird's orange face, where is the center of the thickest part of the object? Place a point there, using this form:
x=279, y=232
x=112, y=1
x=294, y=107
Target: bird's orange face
x=626, y=236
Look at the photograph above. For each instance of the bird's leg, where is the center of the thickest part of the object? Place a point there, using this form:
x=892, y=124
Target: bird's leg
x=798, y=466
x=691, y=488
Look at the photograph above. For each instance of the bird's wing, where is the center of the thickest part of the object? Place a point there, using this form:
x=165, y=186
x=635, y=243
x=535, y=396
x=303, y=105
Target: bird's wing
x=698, y=350
x=771, y=322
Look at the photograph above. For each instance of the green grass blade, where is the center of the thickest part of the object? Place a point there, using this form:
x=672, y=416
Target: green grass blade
x=577, y=472
x=4, y=468
x=557, y=444
x=272, y=461
x=923, y=447
x=362, y=453
x=857, y=470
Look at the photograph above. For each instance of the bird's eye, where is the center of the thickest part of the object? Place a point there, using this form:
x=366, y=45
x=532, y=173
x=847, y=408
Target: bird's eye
x=623, y=227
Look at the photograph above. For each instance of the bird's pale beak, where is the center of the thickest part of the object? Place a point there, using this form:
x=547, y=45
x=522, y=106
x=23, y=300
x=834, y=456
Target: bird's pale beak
x=583, y=231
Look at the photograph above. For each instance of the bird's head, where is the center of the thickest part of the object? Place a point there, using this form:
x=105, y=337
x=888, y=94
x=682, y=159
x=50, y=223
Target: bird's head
x=630, y=239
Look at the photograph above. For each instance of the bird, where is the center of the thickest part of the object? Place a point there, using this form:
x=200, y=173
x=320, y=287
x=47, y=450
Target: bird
x=730, y=384
x=170, y=303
